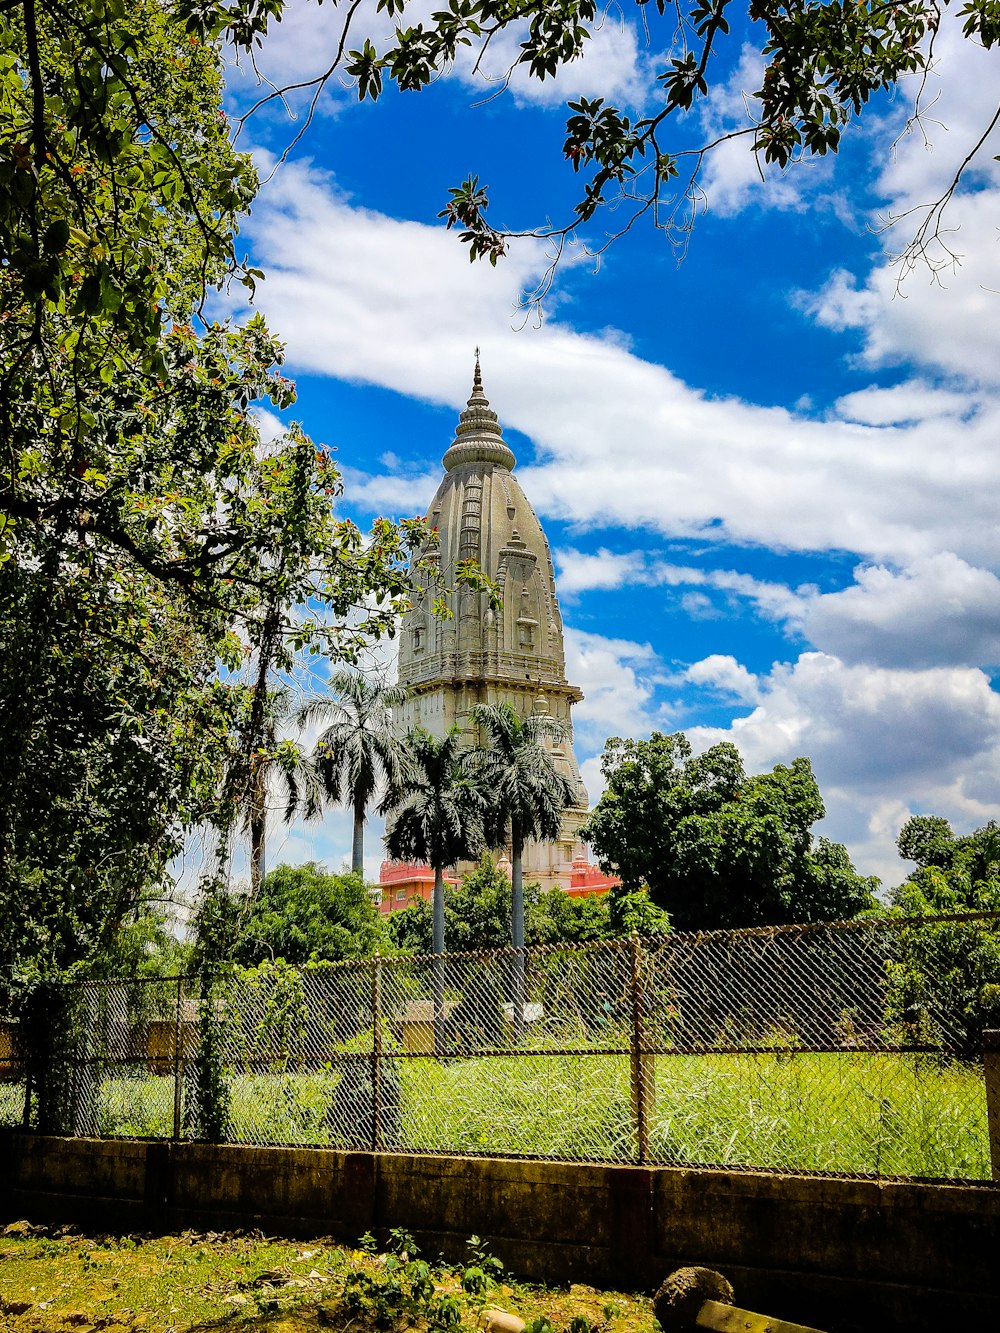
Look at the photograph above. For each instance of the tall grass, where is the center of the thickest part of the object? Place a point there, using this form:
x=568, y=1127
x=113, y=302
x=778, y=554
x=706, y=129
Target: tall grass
x=883, y=1115
x=11, y=1103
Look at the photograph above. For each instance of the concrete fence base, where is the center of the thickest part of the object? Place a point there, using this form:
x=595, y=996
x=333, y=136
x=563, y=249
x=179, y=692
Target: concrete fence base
x=845, y=1255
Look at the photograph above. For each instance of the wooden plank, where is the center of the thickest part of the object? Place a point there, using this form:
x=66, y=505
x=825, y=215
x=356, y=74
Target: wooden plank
x=719, y=1318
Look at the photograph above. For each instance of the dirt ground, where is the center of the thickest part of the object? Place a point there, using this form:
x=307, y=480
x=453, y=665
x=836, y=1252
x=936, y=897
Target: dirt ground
x=56, y=1279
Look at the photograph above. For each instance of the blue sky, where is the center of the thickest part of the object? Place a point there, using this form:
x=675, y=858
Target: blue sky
x=769, y=480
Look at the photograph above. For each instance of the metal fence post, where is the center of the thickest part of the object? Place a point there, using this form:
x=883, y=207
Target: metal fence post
x=178, y=1097
x=376, y=1053
x=643, y=1068
x=991, y=1072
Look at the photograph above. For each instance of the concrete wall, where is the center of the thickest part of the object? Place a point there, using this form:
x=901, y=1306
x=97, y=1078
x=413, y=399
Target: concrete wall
x=841, y=1255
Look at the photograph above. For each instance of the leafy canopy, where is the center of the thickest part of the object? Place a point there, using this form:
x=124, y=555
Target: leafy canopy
x=715, y=846
x=822, y=63
x=477, y=915
x=438, y=814
x=947, y=984
x=148, y=534
x=527, y=793
x=304, y=914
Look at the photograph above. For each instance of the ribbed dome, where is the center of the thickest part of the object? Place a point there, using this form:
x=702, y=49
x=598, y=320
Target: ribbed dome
x=478, y=437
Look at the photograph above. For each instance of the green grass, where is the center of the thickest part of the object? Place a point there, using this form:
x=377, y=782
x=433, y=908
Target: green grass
x=11, y=1103
x=883, y=1115
x=887, y=1115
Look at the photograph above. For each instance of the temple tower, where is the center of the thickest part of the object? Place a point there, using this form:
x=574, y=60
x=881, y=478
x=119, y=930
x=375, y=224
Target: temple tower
x=480, y=655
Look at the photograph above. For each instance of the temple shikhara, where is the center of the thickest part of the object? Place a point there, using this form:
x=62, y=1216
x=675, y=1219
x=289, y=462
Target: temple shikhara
x=480, y=655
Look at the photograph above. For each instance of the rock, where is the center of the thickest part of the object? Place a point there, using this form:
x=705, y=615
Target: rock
x=500, y=1321
x=682, y=1295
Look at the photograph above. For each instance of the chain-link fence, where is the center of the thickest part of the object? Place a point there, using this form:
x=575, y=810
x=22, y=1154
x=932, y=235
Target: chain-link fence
x=852, y=1048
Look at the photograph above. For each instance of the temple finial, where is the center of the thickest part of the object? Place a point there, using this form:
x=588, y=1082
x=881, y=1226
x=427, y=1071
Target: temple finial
x=478, y=437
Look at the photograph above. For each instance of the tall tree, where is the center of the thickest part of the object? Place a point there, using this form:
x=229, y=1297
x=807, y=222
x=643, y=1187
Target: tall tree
x=273, y=760
x=944, y=986
x=358, y=754
x=527, y=793
x=438, y=813
x=146, y=532
x=437, y=816
x=718, y=847
x=527, y=797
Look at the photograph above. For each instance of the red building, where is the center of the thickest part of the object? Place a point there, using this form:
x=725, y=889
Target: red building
x=402, y=882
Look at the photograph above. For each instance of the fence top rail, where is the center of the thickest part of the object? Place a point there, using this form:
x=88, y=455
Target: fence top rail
x=673, y=940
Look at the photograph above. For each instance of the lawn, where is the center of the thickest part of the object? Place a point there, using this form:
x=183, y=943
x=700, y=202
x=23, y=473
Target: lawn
x=889, y=1115
x=179, y=1284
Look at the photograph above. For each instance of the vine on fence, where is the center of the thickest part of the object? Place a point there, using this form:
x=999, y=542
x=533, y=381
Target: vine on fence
x=207, y=1109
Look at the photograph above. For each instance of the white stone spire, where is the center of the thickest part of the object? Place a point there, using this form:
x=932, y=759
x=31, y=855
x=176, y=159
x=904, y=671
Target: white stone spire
x=481, y=654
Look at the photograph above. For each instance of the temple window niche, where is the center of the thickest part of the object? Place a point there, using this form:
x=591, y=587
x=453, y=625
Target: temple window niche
x=526, y=632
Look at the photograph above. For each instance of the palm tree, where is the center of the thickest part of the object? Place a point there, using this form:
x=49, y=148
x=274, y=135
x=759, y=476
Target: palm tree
x=358, y=752
x=436, y=816
x=527, y=796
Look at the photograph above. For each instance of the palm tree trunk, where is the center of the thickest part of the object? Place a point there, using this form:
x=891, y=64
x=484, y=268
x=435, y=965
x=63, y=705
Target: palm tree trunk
x=258, y=822
x=438, y=941
x=358, y=846
x=517, y=926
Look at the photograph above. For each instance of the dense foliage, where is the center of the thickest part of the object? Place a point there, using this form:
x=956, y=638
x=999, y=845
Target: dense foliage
x=947, y=983
x=477, y=914
x=303, y=914
x=715, y=846
x=148, y=533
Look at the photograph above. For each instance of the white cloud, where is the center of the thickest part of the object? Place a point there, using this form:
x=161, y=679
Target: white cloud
x=943, y=320
x=612, y=432
x=938, y=611
x=614, y=63
x=883, y=743
x=903, y=404
x=271, y=427
x=579, y=571
x=621, y=682
x=734, y=176
x=618, y=679
x=722, y=672
x=401, y=494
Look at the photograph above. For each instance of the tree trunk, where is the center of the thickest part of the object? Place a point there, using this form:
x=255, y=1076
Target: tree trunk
x=258, y=822
x=438, y=940
x=517, y=926
x=358, y=846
